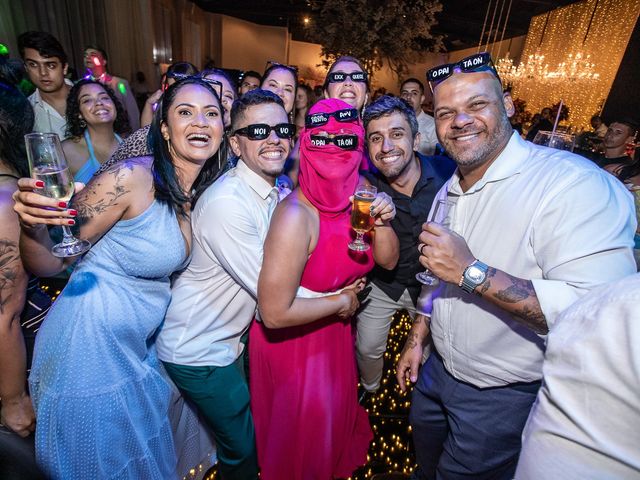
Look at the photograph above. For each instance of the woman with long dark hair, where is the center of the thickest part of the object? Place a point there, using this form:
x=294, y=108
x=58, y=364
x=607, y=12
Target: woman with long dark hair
x=101, y=398
x=95, y=123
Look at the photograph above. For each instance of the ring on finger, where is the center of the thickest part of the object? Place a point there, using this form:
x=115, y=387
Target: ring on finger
x=422, y=248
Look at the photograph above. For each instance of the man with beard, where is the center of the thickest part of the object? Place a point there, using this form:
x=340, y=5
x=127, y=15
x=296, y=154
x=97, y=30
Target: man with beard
x=532, y=230
x=46, y=64
x=214, y=300
x=411, y=180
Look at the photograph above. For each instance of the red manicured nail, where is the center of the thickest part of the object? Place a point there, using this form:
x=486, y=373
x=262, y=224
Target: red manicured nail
x=62, y=204
x=71, y=222
x=39, y=184
x=73, y=213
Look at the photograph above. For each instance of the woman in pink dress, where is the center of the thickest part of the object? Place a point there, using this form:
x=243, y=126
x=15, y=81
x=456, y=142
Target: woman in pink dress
x=303, y=375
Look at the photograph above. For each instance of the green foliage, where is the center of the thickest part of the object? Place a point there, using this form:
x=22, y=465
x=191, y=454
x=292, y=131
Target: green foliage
x=397, y=31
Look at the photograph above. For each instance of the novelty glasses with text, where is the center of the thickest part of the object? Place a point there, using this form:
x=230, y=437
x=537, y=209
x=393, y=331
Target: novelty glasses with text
x=260, y=131
x=480, y=62
x=345, y=142
x=339, y=77
x=319, y=119
x=215, y=84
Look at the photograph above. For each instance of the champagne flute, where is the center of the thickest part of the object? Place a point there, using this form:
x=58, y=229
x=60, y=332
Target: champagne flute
x=441, y=215
x=48, y=164
x=361, y=219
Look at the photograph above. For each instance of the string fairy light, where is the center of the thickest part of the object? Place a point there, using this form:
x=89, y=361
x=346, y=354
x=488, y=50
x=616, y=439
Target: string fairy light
x=595, y=33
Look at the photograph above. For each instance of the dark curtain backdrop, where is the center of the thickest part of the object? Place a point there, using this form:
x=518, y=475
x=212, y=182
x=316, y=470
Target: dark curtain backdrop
x=138, y=35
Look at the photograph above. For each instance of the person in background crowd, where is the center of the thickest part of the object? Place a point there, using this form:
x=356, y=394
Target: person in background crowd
x=599, y=128
x=532, y=230
x=229, y=92
x=617, y=143
x=584, y=423
x=95, y=123
x=95, y=59
x=103, y=404
x=214, y=299
x=411, y=180
x=283, y=81
x=304, y=100
x=140, y=89
x=542, y=122
x=46, y=63
x=250, y=81
x=412, y=91
x=175, y=71
x=303, y=372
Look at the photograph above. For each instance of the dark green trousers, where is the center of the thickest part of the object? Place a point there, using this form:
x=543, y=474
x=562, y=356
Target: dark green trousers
x=222, y=396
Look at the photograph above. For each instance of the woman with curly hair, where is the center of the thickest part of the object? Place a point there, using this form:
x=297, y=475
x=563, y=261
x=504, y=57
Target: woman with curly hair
x=95, y=121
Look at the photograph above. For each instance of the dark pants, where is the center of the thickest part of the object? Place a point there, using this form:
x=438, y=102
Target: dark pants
x=222, y=396
x=464, y=432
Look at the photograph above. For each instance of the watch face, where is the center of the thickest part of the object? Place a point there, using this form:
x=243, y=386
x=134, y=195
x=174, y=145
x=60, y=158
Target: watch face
x=475, y=274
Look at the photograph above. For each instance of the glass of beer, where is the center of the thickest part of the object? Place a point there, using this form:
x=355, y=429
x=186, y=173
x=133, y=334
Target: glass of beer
x=441, y=215
x=361, y=219
x=48, y=164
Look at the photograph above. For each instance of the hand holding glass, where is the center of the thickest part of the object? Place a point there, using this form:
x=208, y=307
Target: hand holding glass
x=441, y=216
x=48, y=164
x=361, y=219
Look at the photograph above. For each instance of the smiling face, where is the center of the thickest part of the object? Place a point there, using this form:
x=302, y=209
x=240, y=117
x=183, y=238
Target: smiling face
x=471, y=115
x=265, y=157
x=46, y=73
x=354, y=93
x=391, y=144
x=282, y=82
x=194, y=125
x=96, y=106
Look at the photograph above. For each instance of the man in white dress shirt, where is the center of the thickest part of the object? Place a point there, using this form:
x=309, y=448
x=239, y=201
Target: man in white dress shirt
x=412, y=91
x=214, y=299
x=46, y=64
x=532, y=230
x=584, y=424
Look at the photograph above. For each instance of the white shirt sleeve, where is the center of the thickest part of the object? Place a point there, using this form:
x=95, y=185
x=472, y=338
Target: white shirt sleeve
x=228, y=232
x=578, y=245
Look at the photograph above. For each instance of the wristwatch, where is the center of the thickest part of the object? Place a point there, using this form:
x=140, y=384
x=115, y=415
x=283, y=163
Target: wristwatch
x=473, y=276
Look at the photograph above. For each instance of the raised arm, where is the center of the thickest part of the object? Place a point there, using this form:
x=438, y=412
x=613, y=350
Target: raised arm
x=17, y=412
x=120, y=192
x=292, y=236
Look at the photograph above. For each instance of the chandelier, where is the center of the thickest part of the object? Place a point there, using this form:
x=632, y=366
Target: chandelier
x=576, y=68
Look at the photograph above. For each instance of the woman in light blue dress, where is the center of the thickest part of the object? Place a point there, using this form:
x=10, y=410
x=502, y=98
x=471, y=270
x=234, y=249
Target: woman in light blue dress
x=95, y=123
x=102, y=401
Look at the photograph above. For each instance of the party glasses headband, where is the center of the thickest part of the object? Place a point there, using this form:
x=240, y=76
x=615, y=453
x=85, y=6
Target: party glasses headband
x=260, y=131
x=215, y=84
x=345, y=142
x=480, y=62
x=271, y=63
x=318, y=119
x=339, y=77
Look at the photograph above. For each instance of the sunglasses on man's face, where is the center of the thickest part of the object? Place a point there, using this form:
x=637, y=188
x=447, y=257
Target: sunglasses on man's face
x=319, y=119
x=339, y=77
x=260, y=131
x=345, y=142
x=480, y=62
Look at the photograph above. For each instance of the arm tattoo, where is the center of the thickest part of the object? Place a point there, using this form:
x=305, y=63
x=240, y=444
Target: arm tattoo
x=534, y=318
x=9, y=262
x=92, y=202
x=487, y=281
x=519, y=290
x=412, y=342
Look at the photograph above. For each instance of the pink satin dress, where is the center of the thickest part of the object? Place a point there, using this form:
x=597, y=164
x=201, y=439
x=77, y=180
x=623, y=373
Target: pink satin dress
x=303, y=379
